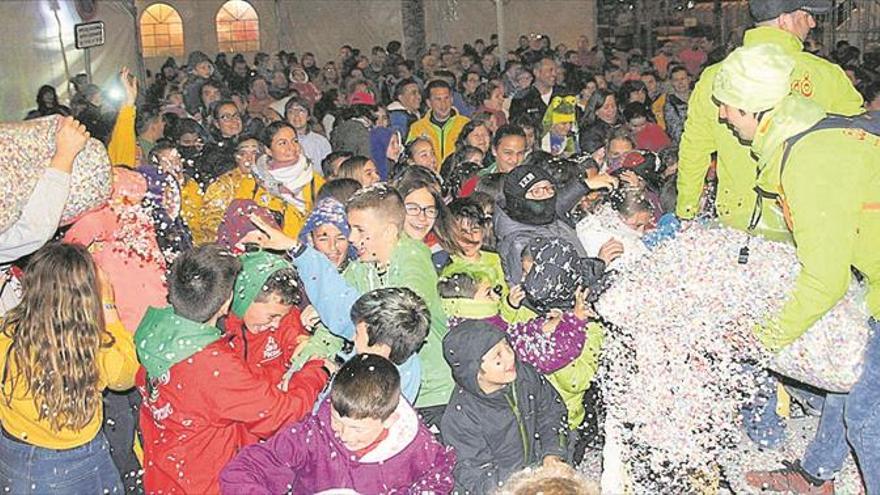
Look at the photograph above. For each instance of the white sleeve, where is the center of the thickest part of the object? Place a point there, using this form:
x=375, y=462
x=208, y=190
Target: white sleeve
x=39, y=217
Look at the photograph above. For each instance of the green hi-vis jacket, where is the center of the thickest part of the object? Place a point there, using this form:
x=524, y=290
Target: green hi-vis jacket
x=814, y=78
x=831, y=184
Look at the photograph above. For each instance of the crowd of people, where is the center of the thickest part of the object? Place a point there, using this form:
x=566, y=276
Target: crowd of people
x=378, y=273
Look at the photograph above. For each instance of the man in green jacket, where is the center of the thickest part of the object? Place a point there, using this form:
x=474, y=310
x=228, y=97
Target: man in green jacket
x=786, y=24
x=827, y=182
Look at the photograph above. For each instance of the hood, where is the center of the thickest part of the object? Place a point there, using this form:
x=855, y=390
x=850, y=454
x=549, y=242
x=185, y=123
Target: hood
x=379, y=139
x=236, y=223
x=791, y=117
x=164, y=339
x=195, y=58
x=256, y=268
x=558, y=271
x=400, y=435
x=517, y=184
x=754, y=78
x=464, y=347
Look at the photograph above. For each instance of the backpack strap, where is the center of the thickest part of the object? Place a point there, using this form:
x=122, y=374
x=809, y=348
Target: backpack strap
x=868, y=122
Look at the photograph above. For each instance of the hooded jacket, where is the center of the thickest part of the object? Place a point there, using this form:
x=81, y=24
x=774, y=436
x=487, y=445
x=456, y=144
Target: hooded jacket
x=307, y=457
x=401, y=118
x=269, y=352
x=497, y=434
x=514, y=236
x=814, y=78
x=202, y=403
x=835, y=211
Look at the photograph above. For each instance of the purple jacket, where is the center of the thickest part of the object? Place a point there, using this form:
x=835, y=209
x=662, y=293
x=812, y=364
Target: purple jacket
x=306, y=457
x=548, y=352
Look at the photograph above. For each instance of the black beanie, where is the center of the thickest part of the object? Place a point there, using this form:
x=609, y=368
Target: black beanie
x=528, y=211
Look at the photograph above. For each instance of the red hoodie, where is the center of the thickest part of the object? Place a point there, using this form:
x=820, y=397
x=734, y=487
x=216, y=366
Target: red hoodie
x=209, y=406
x=268, y=353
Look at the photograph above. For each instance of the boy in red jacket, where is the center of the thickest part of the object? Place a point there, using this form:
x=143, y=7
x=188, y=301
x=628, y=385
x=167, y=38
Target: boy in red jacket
x=202, y=402
x=264, y=325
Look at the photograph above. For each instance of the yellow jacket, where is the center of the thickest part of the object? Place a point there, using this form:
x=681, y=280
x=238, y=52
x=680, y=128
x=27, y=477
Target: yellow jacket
x=293, y=218
x=191, y=199
x=443, y=138
x=117, y=366
x=657, y=109
x=216, y=200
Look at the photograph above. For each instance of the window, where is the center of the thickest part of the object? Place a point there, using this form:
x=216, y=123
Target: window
x=238, y=27
x=161, y=31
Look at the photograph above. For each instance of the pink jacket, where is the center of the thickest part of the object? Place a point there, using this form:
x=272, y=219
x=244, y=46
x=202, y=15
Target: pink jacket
x=122, y=240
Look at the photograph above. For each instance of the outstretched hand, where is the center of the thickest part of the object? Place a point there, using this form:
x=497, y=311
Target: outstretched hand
x=130, y=83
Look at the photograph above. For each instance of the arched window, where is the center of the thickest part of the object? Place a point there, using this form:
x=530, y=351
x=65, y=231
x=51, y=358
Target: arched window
x=161, y=31
x=238, y=27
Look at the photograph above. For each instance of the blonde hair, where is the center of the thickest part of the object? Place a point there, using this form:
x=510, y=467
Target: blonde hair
x=57, y=332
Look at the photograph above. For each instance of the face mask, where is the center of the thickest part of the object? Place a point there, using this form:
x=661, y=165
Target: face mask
x=533, y=212
x=189, y=152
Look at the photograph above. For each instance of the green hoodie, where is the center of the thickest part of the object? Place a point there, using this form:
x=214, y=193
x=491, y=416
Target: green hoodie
x=411, y=267
x=831, y=184
x=164, y=339
x=256, y=268
x=814, y=78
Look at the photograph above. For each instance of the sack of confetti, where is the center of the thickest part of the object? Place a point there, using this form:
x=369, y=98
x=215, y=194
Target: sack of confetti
x=831, y=353
x=26, y=148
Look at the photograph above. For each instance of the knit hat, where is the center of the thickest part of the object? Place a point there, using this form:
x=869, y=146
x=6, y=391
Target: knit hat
x=764, y=10
x=327, y=211
x=256, y=268
x=529, y=211
x=754, y=78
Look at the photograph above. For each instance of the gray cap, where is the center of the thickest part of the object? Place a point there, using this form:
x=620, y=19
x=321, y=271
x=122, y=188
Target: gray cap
x=764, y=10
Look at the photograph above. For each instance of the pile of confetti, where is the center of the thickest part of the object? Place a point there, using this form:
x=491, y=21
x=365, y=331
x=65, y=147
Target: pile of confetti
x=27, y=148
x=680, y=357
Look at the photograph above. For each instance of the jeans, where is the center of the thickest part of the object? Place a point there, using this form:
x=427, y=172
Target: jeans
x=120, y=425
x=851, y=421
x=760, y=420
x=28, y=469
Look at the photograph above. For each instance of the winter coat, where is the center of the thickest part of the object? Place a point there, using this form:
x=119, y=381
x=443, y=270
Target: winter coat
x=443, y=137
x=202, y=403
x=307, y=457
x=531, y=104
x=835, y=211
x=497, y=434
x=548, y=352
x=401, y=119
x=267, y=353
x=215, y=201
x=122, y=241
x=815, y=78
x=410, y=267
x=573, y=380
x=514, y=236
x=488, y=268
x=674, y=113
x=289, y=216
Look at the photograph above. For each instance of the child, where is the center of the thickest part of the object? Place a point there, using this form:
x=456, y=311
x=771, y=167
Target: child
x=387, y=257
x=503, y=415
x=563, y=346
x=363, y=438
x=393, y=323
x=202, y=402
x=264, y=325
x=59, y=349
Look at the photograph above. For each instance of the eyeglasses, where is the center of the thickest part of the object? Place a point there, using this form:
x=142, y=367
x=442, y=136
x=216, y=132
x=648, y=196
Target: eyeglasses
x=414, y=210
x=229, y=116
